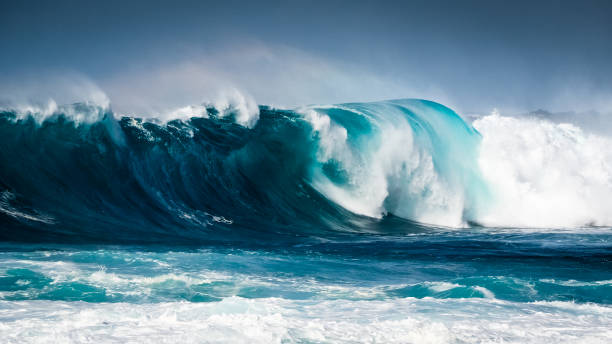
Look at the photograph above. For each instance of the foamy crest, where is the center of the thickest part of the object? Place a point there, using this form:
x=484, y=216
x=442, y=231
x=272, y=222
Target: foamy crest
x=88, y=112
x=185, y=113
x=389, y=173
x=544, y=174
x=242, y=106
x=231, y=102
x=523, y=172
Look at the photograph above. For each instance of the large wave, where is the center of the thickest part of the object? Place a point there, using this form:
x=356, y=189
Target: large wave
x=229, y=172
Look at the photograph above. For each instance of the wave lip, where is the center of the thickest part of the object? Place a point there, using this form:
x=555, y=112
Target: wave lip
x=230, y=172
x=412, y=158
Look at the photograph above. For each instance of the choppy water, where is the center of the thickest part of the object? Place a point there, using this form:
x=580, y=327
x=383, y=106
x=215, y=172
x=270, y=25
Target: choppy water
x=374, y=222
x=443, y=287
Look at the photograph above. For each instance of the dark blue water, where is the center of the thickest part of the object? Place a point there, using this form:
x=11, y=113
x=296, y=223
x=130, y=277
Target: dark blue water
x=466, y=264
x=336, y=224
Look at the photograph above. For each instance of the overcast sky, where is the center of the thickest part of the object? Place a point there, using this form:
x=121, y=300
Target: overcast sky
x=154, y=55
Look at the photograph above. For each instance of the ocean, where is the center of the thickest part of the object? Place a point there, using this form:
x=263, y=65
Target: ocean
x=384, y=222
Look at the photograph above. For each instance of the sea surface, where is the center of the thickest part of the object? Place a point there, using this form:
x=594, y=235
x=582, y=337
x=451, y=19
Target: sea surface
x=386, y=222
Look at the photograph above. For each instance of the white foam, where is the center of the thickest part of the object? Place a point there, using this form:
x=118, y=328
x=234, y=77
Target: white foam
x=242, y=106
x=238, y=320
x=97, y=106
x=83, y=113
x=439, y=287
x=185, y=113
x=575, y=283
x=229, y=102
x=366, y=188
x=485, y=292
x=539, y=174
x=544, y=174
x=389, y=167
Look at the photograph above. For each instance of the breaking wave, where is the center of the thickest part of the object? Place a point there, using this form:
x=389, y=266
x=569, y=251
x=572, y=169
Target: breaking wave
x=234, y=171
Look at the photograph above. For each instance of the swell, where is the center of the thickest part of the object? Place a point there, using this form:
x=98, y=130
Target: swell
x=128, y=179
x=82, y=173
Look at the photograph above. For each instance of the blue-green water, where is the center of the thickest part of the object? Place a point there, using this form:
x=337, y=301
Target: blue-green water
x=375, y=222
x=453, y=286
x=512, y=267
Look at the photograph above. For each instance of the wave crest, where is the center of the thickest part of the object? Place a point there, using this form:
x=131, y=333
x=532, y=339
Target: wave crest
x=544, y=174
x=316, y=171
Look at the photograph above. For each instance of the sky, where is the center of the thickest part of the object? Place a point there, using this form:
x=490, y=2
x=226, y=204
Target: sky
x=152, y=56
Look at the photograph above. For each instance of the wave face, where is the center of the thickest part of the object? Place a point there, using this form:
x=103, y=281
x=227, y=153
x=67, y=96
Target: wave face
x=326, y=224
x=80, y=172
x=411, y=158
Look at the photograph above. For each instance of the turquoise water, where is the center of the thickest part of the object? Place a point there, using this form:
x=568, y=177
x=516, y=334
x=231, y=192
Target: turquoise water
x=442, y=287
x=362, y=222
x=509, y=267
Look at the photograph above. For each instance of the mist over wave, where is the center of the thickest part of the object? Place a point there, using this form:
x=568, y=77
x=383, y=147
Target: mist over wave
x=231, y=170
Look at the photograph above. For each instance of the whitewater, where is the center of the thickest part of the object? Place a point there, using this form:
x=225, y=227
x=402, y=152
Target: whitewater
x=380, y=222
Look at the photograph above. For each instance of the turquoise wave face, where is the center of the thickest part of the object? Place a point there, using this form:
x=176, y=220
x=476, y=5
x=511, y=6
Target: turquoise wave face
x=412, y=158
x=321, y=224
x=81, y=174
